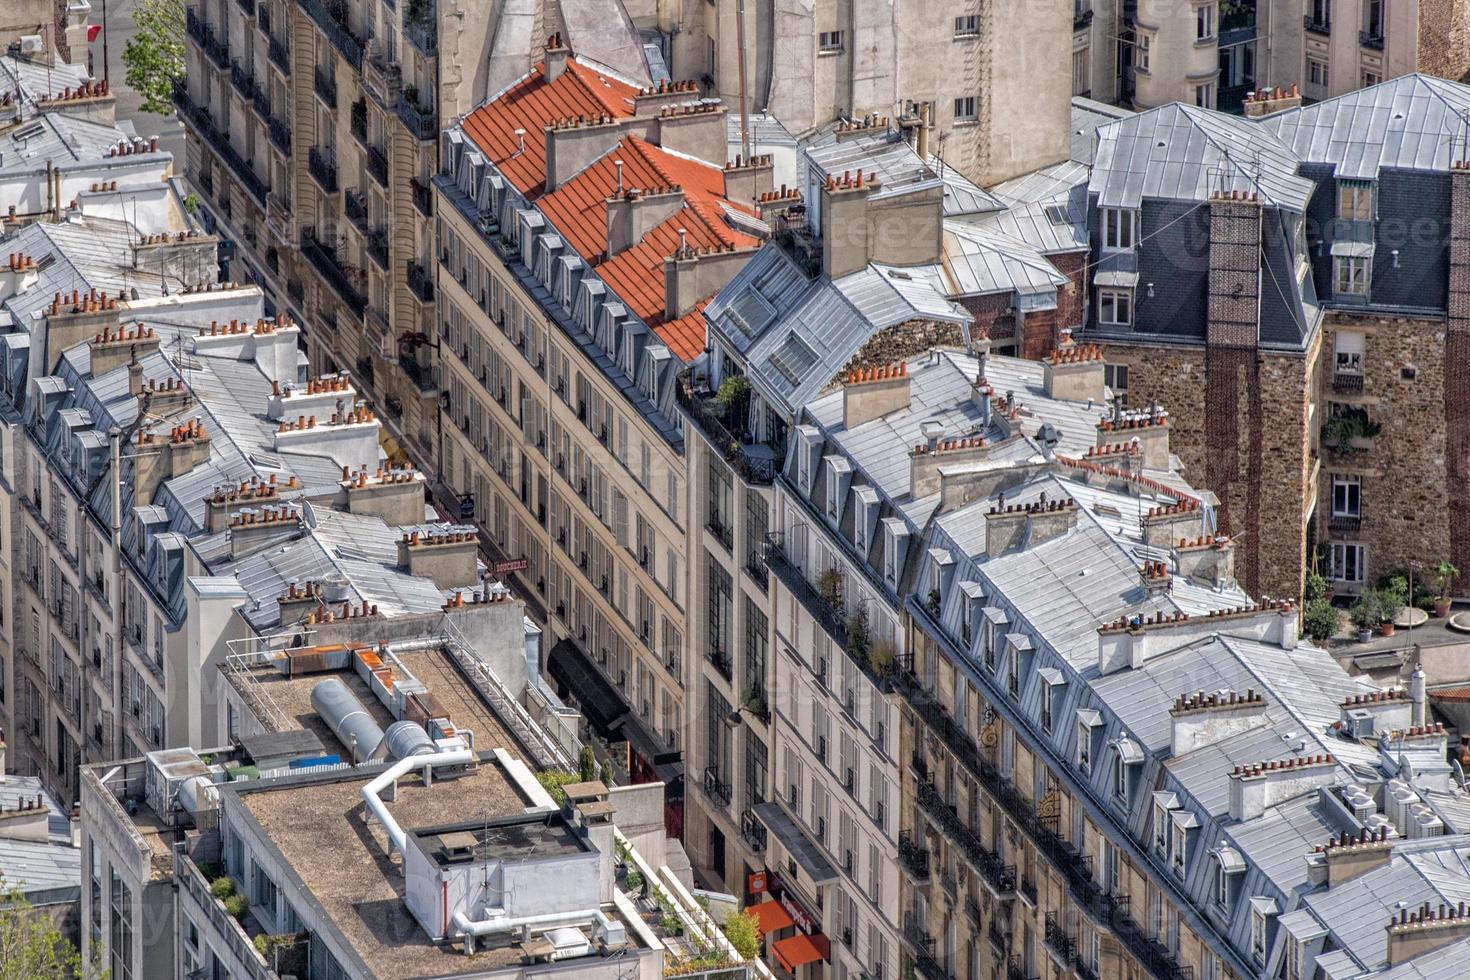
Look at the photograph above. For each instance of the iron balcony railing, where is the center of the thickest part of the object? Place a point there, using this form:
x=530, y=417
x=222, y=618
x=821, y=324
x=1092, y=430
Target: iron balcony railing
x=323, y=168
x=325, y=86
x=420, y=283
x=423, y=198
x=423, y=33
x=754, y=468
x=913, y=855
x=354, y=204
x=1074, y=868
x=422, y=123
x=377, y=165
x=332, y=17
x=716, y=788
x=752, y=831
x=999, y=876
x=325, y=261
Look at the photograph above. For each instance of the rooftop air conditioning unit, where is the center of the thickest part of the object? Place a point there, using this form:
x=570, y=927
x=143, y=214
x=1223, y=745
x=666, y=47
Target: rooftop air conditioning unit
x=31, y=44
x=1360, y=723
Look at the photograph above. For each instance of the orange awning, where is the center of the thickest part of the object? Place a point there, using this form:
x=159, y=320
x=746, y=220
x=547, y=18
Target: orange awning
x=770, y=916
x=797, y=951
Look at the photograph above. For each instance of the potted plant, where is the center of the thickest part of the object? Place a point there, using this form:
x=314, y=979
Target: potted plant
x=1445, y=574
x=1366, y=614
x=829, y=587
x=1391, y=600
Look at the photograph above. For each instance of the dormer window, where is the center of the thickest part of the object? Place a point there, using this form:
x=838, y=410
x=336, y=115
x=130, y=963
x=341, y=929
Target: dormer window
x=1119, y=228
x=1088, y=721
x=1355, y=200
x=1229, y=866
x=1182, y=823
x=1262, y=909
x=1052, y=681
x=1163, y=804
x=1126, y=755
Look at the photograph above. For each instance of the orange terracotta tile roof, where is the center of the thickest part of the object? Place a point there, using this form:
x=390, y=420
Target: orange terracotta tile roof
x=533, y=104
x=578, y=208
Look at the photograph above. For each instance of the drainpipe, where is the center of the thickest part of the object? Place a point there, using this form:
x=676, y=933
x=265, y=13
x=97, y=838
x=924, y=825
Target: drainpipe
x=389, y=777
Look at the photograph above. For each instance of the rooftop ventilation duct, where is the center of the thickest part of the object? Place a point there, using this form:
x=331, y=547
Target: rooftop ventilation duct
x=348, y=719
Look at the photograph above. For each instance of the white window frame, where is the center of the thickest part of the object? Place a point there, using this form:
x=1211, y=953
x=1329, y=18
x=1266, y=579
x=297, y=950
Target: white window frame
x=1355, y=200
x=1258, y=936
x=829, y=42
x=1205, y=23
x=1349, y=349
x=966, y=26
x=1084, y=747
x=1347, y=495
x=1204, y=95
x=965, y=109
x=1109, y=303
x=1338, y=561
x=1318, y=72
x=1120, y=777
x=1351, y=275
x=1119, y=229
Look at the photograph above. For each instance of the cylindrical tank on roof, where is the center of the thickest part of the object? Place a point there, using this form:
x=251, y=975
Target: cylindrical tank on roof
x=347, y=719
x=406, y=738
x=197, y=796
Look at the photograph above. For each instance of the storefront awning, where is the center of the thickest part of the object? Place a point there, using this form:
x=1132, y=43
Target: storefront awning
x=771, y=916
x=795, y=952
x=598, y=699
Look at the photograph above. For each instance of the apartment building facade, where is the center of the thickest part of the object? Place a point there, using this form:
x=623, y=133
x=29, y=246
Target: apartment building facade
x=1213, y=54
x=312, y=138
x=573, y=265
x=1001, y=107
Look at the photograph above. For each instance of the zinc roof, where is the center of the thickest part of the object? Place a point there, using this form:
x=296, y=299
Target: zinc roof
x=1408, y=123
x=1180, y=152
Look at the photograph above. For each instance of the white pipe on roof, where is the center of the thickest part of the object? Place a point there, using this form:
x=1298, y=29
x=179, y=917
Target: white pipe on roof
x=496, y=922
x=389, y=776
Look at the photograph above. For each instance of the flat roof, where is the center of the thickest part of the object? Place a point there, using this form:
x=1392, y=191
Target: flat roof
x=526, y=837
x=320, y=828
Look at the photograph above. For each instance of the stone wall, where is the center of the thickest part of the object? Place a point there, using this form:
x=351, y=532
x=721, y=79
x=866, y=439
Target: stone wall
x=1444, y=39
x=902, y=342
x=1405, y=496
x=1273, y=540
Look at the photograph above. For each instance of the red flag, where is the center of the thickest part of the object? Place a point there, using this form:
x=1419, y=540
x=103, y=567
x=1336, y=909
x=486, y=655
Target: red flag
x=92, y=31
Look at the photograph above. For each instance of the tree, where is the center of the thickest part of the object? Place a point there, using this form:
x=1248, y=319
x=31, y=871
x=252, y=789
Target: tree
x=154, y=55
x=587, y=763
x=31, y=945
x=743, y=933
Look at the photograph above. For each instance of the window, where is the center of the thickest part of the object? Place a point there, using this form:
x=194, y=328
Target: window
x=1348, y=347
x=1081, y=73
x=1222, y=885
x=1371, y=78
x=1347, y=495
x=1373, y=19
x=964, y=109
x=1258, y=936
x=1046, y=696
x=1355, y=200
x=1347, y=562
x=829, y=42
x=1204, y=22
x=967, y=26
x=1120, y=228
x=1161, y=829
x=1180, y=849
x=1142, y=51
x=1115, y=376
x=1352, y=275
x=1115, y=307
x=1317, y=72
x=1321, y=12
x=1084, y=747
x=1013, y=673
x=1204, y=95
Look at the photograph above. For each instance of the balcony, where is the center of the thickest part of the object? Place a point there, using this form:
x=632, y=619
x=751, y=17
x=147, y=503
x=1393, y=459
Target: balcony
x=355, y=206
x=281, y=220
x=914, y=857
x=280, y=135
x=752, y=831
x=999, y=878
x=1347, y=383
x=358, y=122
x=279, y=55
x=425, y=377
x=1372, y=40
x=199, y=118
x=325, y=86
x=331, y=17
x=377, y=246
x=1075, y=869
x=338, y=276
x=922, y=950
x=244, y=82
x=377, y=165
x=1314, y=26
x=716, y=788
x=423, y=33
x=423, y=198
x=1064, y=949
x=822, y=611
x=422, y=123
x=721, y=660
x=420, y=283
x=323, y=167
x=756, y=462
x=381, y=79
